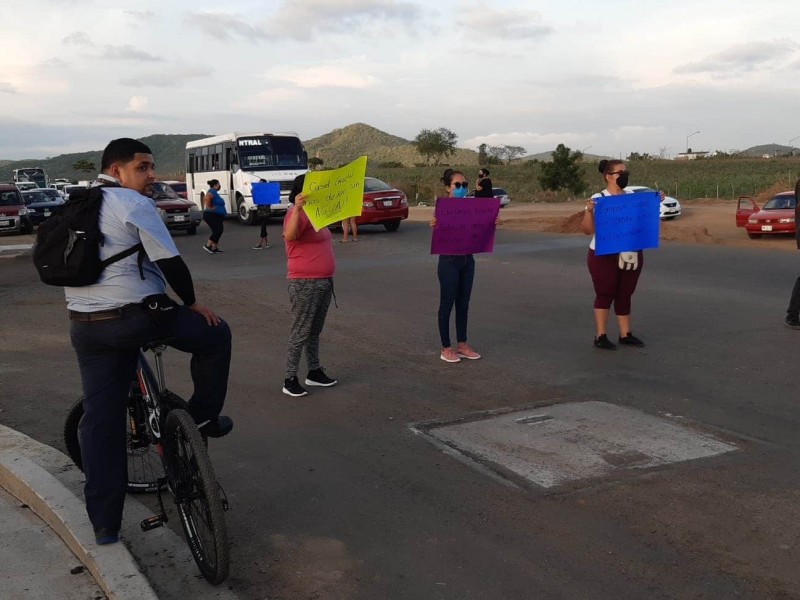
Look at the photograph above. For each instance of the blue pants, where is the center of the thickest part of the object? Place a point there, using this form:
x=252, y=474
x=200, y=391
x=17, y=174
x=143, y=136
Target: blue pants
x=107, y=356
x=455, y=285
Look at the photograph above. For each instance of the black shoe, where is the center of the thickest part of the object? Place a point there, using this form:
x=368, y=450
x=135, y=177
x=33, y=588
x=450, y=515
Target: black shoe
x=292, y=387
x=105, y=536
x=216, y=429
x=792, y=322
x=216, y=251
x=318, y=377
x=602, y=342
x=631, y=340
x=208, y=249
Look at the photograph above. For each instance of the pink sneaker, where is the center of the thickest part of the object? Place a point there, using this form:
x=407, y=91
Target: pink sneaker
x=449, y=355
x=465, y=351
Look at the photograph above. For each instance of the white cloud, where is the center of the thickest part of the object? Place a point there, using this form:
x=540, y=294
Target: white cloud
x=7, y=88
x=327, y=76
x=504, y=24
x=78, y=38
x=141, y=15
x=137, y=104
x=174, y=76
x=743, y=57
x=127, y=52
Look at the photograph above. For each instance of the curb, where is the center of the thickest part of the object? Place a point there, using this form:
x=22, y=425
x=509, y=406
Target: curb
x=113, y=567
x=15, y=251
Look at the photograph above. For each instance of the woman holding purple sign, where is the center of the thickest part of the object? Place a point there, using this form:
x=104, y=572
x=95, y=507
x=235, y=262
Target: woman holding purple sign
x=456, y=273
x=614, y=275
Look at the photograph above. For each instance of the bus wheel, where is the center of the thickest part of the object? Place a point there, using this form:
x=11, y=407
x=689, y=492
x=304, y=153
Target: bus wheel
x=245, y=216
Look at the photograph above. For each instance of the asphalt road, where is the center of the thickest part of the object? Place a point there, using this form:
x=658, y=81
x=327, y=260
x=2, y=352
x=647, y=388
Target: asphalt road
x=334, y=496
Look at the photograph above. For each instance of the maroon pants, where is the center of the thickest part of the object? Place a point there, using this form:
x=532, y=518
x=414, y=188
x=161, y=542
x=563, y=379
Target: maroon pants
x=612, y=285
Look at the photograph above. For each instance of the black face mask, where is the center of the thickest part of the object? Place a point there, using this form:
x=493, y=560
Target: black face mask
x=622, y=180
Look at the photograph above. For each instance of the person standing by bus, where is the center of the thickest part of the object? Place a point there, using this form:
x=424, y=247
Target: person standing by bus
x=310, y=265
x=214, y=215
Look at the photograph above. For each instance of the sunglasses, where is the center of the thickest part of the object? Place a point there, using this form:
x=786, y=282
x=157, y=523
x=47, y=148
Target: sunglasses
x=459, y=184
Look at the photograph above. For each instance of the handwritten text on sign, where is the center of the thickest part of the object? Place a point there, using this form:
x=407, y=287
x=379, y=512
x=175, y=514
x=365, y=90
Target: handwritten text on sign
x=464, y=225
x=626, y=223
x=332, y=196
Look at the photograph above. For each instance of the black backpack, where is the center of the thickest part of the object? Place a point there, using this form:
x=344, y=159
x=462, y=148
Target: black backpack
x=67, y=250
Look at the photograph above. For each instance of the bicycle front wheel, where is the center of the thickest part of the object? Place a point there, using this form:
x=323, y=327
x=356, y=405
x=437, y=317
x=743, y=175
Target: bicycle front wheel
x=197, y=495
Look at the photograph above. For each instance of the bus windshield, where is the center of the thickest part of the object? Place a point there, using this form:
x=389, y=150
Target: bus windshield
x=34, y=175
x=271, y=153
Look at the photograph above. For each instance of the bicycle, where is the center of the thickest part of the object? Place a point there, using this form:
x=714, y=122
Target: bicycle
x=167, y=451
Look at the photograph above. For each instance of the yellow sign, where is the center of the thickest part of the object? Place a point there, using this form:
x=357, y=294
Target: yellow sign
x=332, y=196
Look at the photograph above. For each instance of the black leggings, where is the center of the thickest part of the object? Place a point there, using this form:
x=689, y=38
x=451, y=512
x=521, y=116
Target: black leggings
x=214, y=221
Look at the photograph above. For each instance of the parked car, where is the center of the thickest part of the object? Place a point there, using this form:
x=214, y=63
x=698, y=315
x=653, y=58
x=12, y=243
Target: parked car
x=670, y=207
x=23, y=186
x=41, y=203
x=776, y=216
x=68, y=189
x=178, y=214
x=505, y=200
x=382, y=205
x=13, y=212
x=179, y=187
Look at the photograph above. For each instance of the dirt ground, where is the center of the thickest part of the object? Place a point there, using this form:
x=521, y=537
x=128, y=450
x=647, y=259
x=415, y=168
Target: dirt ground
x=702, y=222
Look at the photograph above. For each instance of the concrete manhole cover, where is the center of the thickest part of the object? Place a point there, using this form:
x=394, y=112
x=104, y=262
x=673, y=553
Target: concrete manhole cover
x=570, y=442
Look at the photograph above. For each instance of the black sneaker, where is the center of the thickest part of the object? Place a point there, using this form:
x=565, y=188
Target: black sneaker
x=792, y=322
x=208, y=249
x=631, y=340
x=216, y=429
x=216, y=251
x=292, y=387
x=318, y=377
x=602, y=342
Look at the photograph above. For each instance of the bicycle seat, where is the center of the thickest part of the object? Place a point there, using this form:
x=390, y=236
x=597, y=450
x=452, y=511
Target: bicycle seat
x=152, y=345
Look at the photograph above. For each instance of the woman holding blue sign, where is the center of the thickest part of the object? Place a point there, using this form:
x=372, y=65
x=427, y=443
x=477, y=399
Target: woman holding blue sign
x=614, y=275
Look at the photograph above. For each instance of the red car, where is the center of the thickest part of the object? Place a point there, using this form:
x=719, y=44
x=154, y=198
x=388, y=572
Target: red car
x=383, y=205
x=179, y=187
x=13, y=212
x=776, y=216
x=178, y=214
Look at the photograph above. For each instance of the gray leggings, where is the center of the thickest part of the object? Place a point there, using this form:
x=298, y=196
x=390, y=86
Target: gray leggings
x=310, y=300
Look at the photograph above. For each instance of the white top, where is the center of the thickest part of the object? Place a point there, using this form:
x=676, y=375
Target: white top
x=605, y=192
x=126, y=218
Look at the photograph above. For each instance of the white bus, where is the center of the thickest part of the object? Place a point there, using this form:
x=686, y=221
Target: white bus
x=238, y=160
x=31, y=174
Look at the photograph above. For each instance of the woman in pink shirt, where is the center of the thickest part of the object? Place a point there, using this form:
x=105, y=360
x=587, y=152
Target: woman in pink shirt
x=311, y=266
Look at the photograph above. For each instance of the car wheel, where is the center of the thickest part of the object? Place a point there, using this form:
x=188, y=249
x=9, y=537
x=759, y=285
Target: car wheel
x=245, y=216
x=753, y=236
x=191, y=231
x=392, y=225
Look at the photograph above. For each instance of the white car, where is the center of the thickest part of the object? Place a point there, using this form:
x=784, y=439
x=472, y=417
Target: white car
x=505, y=200
x=670, y=207
x=24, y=186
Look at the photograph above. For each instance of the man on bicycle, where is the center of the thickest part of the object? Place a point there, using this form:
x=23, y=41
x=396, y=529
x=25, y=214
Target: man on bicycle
x=110, y=322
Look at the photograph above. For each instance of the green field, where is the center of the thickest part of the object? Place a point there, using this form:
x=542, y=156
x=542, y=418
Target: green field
x=726, y=178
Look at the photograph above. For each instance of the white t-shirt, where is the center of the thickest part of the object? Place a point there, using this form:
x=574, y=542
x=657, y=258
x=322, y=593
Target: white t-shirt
x=126, y=218
x=605, y=192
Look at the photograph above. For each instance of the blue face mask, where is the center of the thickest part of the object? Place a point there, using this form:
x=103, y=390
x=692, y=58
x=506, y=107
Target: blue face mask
x=460, y=192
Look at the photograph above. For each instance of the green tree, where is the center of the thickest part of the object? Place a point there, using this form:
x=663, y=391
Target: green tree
x=84, y=166
x=315, y=162
x=563, y=172
x=435, y=144
x=506, y=153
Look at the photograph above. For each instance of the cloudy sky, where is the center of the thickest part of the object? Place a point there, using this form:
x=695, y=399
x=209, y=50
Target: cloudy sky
x=611, y=77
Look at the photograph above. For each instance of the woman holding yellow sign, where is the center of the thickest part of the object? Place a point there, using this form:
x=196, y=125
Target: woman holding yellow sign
x=311, y=266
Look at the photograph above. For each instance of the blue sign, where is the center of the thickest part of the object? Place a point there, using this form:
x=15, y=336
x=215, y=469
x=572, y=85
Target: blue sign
x=626, y=223
x=266, y=193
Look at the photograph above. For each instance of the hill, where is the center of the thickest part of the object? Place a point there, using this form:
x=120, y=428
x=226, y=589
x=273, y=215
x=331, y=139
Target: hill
x=770, y=149
x=340, y=146
x=168, y=150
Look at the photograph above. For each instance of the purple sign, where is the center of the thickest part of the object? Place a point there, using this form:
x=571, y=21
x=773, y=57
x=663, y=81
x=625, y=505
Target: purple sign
x=464, y=225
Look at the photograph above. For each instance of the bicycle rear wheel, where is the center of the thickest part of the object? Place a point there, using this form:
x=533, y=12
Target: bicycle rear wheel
x=144, y=464
x=197, y=495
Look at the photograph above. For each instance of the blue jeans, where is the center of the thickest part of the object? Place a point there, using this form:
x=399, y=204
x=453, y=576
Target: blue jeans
x=455, y=287
x=107, y=354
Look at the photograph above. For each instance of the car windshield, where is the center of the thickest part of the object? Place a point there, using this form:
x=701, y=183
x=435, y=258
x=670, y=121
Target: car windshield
x=9, y=199
x=178, y=187
x=271, y=153
x=162, y=191
x=499, y=192
x=376, y=185
x=40, y=196
x=781, y=202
